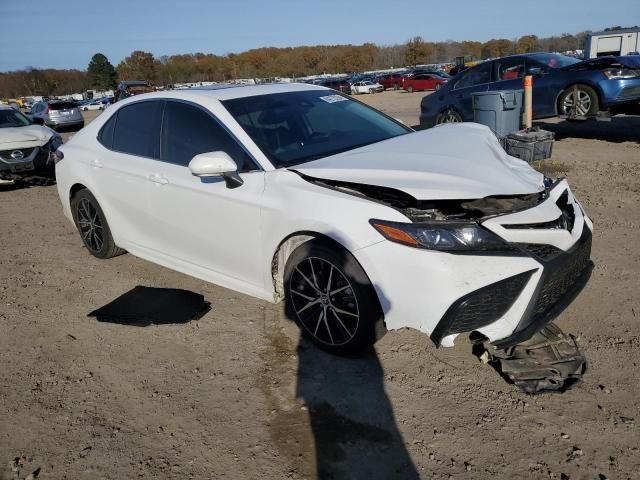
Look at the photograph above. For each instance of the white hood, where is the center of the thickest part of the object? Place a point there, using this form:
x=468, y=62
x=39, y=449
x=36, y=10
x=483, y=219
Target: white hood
x=455, y=161
x=24, y=137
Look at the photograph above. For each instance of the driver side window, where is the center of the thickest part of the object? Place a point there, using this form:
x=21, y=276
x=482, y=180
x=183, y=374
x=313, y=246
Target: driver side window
x=474, y=76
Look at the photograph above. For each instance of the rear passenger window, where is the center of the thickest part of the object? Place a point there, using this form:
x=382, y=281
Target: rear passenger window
x=105, y=137
x=189, y=131
x=137, y=129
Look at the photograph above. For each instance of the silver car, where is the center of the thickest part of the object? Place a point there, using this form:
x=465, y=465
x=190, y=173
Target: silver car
x=60, y=114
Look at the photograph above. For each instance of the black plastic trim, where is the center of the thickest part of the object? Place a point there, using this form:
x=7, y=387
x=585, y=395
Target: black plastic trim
x=532, y=323
x=448, y=319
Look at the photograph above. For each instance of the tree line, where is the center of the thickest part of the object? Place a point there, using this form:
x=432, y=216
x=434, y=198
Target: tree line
x=269, y=62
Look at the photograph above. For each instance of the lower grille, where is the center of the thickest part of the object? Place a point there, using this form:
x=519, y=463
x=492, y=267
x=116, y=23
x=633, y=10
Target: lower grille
x=562, y=278
x=485, y=306
x=542, y=251
x=629, y=92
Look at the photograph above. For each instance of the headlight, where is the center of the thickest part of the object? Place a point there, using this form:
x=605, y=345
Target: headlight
x=442, y=236
x=619, y=73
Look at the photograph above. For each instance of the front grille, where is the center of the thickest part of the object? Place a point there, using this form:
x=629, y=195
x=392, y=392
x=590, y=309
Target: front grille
x=542, y=251
x=6, y=154
x=562, y=277
x=487, y=305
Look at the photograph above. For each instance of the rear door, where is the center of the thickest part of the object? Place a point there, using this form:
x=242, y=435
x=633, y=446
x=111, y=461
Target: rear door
x=124, y=169
x=476, y=79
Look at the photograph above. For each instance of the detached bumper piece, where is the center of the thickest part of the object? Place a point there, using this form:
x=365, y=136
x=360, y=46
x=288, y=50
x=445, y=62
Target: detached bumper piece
x=549, y=361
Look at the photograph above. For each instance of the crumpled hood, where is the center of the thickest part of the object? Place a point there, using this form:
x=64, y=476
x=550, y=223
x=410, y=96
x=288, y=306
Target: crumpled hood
x=629, y=61
x=24, y=137
x=455, y=161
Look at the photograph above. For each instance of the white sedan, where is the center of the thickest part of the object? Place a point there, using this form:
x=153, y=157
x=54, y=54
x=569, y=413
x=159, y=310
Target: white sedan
x=297, y=193
x=366, y=87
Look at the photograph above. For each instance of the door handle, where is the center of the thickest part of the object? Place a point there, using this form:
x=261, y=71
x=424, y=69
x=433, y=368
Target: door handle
x=159, y=179
x=96, y=164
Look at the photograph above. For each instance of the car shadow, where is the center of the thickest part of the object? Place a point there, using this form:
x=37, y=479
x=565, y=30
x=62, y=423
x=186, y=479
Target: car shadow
x=144, y=306
x=624, y=128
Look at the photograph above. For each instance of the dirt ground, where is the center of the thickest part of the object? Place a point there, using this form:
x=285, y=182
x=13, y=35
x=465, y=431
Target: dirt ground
x=236, y=395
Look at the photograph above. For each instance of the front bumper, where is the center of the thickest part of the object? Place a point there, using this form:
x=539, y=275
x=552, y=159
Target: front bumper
x=506, y=297
x=36, y=160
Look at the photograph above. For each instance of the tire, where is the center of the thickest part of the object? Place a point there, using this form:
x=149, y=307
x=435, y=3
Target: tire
x=586, y=106
x=92, y=226
x=396, y=86
x=448, y=116
x=345, y=323
x=410, y=89
x=438, y=85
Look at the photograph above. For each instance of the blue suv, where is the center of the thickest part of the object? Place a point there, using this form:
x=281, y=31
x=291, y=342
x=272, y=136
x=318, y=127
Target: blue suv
x=562, y=86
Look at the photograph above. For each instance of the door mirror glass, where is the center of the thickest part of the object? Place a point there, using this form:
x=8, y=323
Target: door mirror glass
x=214, y=164
x=535, y=71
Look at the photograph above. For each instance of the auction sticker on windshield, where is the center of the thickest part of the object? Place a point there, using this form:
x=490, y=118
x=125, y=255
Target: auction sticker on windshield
x=333, y=98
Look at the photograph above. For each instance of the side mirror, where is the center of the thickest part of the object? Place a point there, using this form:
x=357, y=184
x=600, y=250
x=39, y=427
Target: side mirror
x=535, y=71
x=37, y=121
x=216, y=164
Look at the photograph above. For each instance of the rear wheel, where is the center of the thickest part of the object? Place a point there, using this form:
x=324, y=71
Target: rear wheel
x=92, y=225
x=578, y=102
x=396, y=86
x=448, y=116
x=331, y=299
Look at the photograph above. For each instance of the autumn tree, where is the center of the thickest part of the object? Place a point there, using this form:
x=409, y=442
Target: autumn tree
x=417, y=52
x=528, y=44
x=139, y=66
x=497, y=48
x=101, y=73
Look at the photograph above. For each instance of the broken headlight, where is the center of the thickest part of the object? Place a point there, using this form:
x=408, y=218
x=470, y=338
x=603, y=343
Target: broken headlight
x=443, y=236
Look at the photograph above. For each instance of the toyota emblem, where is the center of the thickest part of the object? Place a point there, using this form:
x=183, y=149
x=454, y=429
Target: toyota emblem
x=17, y=155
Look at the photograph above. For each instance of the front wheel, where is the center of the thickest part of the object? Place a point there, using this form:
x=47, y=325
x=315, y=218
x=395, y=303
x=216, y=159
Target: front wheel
x=448, y=116
x=578, y=102
x=92, y=225
x=410, y=89
x=331, y=299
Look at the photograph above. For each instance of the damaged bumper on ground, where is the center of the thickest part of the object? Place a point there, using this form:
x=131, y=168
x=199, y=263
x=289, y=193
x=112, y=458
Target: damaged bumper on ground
x=505, y=297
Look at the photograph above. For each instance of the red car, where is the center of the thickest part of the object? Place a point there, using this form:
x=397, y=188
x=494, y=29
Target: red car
x=393, y=80
x=423, y=81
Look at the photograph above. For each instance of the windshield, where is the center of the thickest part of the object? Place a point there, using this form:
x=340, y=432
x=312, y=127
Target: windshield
x=12, y=118
x=555, y=60
x=297, y=127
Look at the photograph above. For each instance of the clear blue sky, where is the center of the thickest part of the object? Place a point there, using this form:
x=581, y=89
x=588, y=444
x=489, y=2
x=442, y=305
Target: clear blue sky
x=66, y=33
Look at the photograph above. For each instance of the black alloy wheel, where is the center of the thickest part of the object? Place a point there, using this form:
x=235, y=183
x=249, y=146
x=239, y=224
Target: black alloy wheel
x=331, y=299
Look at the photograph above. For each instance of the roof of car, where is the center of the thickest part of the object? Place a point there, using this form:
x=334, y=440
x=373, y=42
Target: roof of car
x=223, y=92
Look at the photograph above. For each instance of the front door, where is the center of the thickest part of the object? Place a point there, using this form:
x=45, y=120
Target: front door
x=203, y=222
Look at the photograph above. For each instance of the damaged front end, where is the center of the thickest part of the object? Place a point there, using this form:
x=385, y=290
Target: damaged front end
x=31, y=165
x=545, y=233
